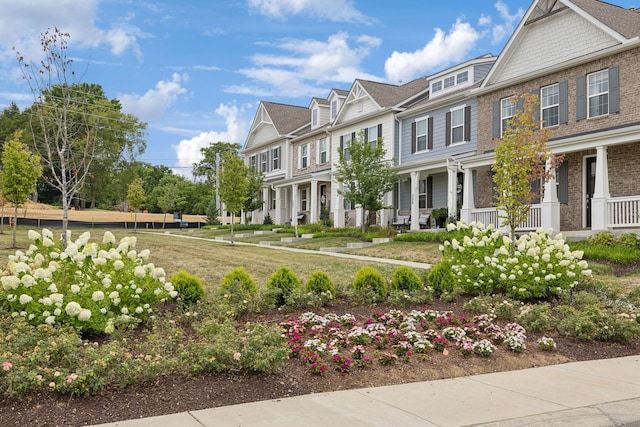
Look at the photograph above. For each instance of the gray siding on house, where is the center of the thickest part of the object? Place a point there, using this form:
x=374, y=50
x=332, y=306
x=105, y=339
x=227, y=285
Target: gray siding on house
x=396, y=142
x=405, y=195
x=481, y=71
x=440, y=150
x=440, y=190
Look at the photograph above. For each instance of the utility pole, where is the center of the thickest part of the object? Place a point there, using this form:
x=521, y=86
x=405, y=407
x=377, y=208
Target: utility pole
x=218, y=184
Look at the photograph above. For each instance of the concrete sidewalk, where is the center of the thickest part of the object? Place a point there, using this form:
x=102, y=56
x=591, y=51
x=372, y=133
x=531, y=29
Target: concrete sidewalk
x=594, y=393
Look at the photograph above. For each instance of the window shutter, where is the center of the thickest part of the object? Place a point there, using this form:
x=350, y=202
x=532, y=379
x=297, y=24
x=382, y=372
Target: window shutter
x=379, y=130
x=520, y=104
x=342, y=144
x=536, y=111
x=430, y=133
x=496, y=119
x=563, y=108
x=353, y=136
x=614, y=90
x=269, y=161
x=429, y=192
x=581, y=98
x=467, y=123
x=562, y=178
x=413, y=137
x=366, y=134
x=447, y=135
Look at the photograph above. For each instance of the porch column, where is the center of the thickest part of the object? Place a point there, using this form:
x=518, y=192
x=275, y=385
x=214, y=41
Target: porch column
x=386, y=215
x=313, y=216
x=415, y=206
x=278, y=218
x=452, y=189
x=468, y=205
x=358, y=214
x=337, y=201
x=550, y=204
x=294, y=205
x=599, y=217
x=266, y=204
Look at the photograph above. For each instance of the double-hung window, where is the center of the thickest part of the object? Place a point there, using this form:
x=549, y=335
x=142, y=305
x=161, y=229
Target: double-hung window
x=457, y=125
x=422, y=194
x=372, y=135
x=323, y=150
x=421, y=134
x=598, y=93
x=253, y=163
x=263, y=161
x=550, y=105
x=303, y=199
x=304, y=156
x=272, y=199
x=314, y=117
x=334, y=109
x=507, y=110
x=345, y=141
x=275, y=158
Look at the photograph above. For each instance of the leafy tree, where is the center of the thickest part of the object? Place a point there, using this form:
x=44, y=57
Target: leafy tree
x=207, y=166
x=255, y=180
x=366, y=175
x=64, y=128
x=11, y=121
x=233, y=184
x=519, y=169
x=135, y=198
x=170, y=194
x=20, y=172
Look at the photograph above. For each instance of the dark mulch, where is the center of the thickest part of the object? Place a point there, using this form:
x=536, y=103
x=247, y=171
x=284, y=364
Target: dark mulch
x=173, y=393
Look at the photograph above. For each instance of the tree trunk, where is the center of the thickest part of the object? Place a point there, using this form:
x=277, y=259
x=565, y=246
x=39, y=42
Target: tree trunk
x=233, y=220
x=363, y=225
x=15, y=225
x=164, y=220
x=135, y=221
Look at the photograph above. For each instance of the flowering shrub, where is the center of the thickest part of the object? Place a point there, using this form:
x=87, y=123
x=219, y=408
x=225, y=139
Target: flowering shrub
x=93, y=287
x=546, y=344
x=536, y=265
x=323, y=340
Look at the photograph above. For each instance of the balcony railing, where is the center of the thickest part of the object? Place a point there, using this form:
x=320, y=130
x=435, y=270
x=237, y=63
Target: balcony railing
x=490, y=216
x=623, y=212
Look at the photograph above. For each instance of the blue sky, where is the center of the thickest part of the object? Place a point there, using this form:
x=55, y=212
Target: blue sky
x=196, y=70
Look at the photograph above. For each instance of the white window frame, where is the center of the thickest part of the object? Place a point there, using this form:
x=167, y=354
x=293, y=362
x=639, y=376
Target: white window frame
x=303, y=199
x=264, y=161
x=371, y=131
x=314, y=117
x=253, y=162
x=323, y=150
x=272, y=198
x=304, y=156
x=334, y=108
x=436, y=86
x=275, y=158
x=548, y=102
x=422, y=194
x=455, y=112
x=346, y=142
x=425, y=134
x=462, y=77
x=507, y=110
x=594, y=92
x=448, y=82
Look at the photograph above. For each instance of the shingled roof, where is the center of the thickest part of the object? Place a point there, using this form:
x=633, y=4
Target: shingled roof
x=287, y=118
x=624, y=21
x=388, y=95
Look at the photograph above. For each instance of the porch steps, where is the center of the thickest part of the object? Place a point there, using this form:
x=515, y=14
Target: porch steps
x=333, y=249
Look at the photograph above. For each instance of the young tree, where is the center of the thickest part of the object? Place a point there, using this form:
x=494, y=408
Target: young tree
x=64, y=127
x=20, y=172
x=233, y=184
x=366, y=175
x=519, y=169
x=135, y=198
x=170, y=190
x=254, y=185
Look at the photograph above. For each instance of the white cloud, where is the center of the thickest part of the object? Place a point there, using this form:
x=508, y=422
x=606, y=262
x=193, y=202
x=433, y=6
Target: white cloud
x=506, y=28
x=331, y=10
x=307, y=64
x=22, y=22
x=441, y=50
x=188, y=150
x=155, y=102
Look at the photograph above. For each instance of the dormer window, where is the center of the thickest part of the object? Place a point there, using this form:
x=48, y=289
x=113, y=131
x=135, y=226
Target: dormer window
x=462, y=77
x=436, y=86
x=449, y=81
x=314, y=117
x=334, y=108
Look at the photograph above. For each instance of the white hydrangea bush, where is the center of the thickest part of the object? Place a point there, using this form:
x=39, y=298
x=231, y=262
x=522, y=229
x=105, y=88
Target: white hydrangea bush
x=91, y=286
x=537, y=265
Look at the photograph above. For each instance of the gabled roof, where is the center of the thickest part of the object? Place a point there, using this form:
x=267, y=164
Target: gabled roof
x=388, y=95
x=620, y=25
x=286, y=118
x=319, y=101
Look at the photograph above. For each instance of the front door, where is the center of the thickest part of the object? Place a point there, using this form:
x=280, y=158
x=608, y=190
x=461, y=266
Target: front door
x=590, y=177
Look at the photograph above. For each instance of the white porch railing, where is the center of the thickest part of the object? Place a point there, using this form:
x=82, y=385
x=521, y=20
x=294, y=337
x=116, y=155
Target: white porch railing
x=490, y=216
x=623, y=212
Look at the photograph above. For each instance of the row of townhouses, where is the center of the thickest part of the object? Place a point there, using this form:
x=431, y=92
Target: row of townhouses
x=578, y=56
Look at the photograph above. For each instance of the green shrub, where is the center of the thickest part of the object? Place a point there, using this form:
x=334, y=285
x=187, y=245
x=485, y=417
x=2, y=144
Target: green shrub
x=282, y=283
x=189, y=288
x=602, y=238
x=612, y=253
x=440, y=278
x=594, y=323
x=629, y=240
x=267, y=220
x=405, y=279
x=239, y=276
x=369, y=280
x=535, y=317
x=320, y=283
x=238, y=290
